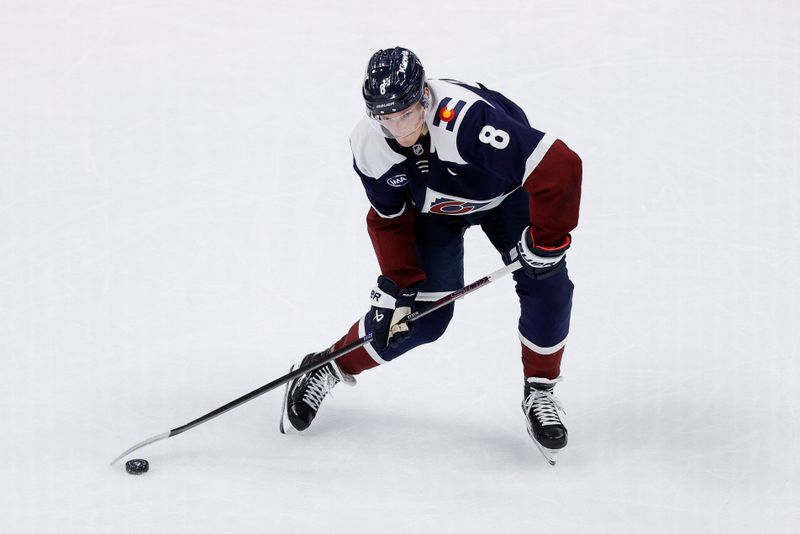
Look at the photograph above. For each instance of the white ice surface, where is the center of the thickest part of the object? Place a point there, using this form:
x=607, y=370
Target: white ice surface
x=179, y=222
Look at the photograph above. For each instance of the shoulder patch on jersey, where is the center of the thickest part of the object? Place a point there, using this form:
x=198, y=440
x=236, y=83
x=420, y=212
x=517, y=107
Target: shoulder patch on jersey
x=372, y=154
x=451, y=104
x=447, y=112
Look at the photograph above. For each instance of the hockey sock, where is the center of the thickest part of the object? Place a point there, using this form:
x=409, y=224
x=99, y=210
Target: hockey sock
x=541, y=365
x=356, y=361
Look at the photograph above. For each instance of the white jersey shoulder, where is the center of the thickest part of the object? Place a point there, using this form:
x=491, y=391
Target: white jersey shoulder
x=372, y=154
x=457, y=100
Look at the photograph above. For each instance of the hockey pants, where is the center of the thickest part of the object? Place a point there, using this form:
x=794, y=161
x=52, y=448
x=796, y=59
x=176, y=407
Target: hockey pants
x=545, y=305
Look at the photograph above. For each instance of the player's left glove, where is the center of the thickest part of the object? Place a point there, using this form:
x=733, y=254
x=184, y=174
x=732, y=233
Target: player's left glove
x=541, y=262
x=389, y=306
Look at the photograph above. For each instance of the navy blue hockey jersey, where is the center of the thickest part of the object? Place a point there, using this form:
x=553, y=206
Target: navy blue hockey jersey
x=480, y=148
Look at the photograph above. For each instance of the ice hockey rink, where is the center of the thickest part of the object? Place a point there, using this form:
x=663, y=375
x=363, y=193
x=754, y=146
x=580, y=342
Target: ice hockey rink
x=179, y=223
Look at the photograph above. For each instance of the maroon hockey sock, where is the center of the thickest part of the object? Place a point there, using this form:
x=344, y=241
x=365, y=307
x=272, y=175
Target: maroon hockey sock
x=541, y=365
x=356, y=361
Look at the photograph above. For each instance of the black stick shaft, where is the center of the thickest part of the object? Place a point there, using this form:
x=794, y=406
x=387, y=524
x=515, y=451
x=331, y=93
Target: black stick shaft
x=312, y=365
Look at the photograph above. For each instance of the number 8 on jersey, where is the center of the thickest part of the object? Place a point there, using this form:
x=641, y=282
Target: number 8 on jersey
x=498, y=139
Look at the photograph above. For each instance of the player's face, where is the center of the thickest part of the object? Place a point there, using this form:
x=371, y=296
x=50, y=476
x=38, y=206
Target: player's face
x=404, y=126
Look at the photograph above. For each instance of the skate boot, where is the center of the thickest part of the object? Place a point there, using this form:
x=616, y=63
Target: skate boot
x=305, y=394
x=541, y=413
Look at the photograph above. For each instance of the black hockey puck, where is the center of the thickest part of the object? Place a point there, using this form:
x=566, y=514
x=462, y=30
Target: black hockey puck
x=137, y=466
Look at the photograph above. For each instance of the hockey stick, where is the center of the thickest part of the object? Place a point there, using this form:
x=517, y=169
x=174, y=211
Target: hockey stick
x=312, y=365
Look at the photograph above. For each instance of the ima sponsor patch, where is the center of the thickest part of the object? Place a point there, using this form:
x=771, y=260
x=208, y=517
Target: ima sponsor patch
x=447, y=113
x=397, y=181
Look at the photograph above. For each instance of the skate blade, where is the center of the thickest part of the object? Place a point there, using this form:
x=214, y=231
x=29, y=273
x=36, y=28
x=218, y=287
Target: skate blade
x=550, y=455
x=286, y=426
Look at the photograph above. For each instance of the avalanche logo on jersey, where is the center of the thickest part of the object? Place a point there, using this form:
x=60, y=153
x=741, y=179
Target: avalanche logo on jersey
x=447, y=113
x=449, y=206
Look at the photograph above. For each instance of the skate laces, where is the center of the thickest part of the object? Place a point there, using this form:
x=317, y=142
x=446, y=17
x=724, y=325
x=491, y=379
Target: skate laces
x=319, y=384
x=545, y=406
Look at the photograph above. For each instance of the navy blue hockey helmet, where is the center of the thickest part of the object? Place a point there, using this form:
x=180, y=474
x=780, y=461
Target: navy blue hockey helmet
x=394, y=81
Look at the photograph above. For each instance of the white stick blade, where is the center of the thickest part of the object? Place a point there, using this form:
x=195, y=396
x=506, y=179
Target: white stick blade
x=148, y=441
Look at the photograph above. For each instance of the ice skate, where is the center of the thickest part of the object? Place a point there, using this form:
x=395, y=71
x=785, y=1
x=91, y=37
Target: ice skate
x=541, y=409
x=305, y=394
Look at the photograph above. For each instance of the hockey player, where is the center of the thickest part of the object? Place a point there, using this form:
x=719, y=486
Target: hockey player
x=436, y=157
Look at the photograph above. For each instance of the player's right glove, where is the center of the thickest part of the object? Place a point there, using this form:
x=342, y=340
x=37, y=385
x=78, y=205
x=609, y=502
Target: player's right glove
x=389, y=306
x=541, y=262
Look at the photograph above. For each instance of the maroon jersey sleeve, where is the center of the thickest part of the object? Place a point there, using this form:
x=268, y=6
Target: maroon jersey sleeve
x=396, y=247
x=555, y=195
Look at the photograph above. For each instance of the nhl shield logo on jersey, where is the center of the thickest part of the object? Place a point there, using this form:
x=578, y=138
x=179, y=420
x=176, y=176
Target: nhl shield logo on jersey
x=447, y=113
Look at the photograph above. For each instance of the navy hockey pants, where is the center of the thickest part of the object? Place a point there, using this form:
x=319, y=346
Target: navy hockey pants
x=545, y=305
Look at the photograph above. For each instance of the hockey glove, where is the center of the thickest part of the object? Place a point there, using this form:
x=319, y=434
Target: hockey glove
x=541, y=262
x=389, y=307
